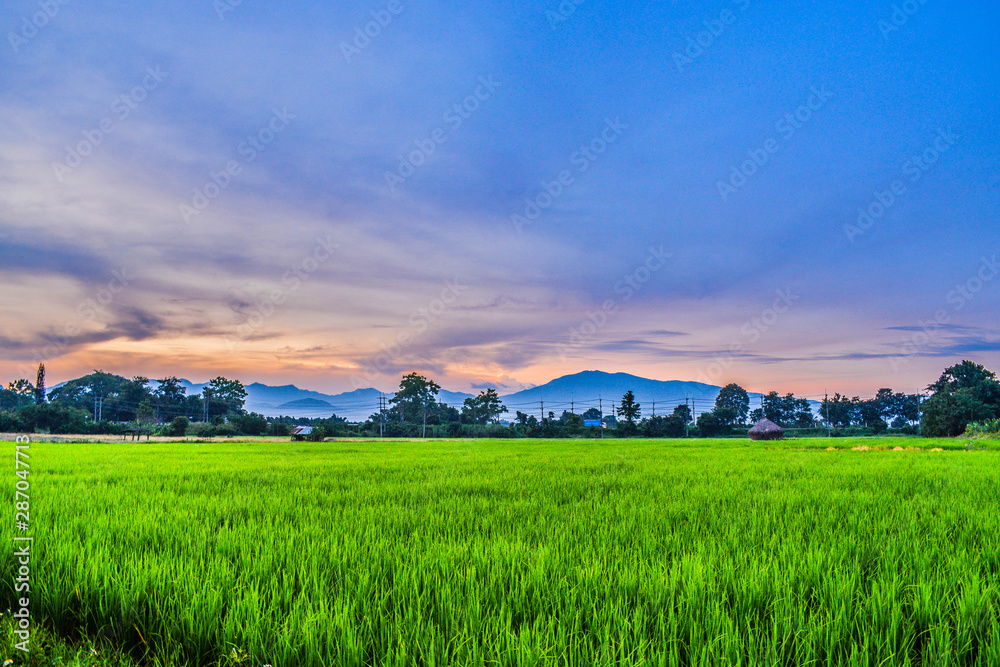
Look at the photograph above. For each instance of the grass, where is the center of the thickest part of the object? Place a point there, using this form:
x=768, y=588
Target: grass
x=516, y=552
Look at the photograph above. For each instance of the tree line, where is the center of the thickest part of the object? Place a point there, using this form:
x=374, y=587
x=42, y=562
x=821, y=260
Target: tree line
x=965, y=394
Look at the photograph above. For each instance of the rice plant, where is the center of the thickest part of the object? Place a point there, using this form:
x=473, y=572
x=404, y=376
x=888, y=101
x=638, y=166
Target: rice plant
x=631, y=552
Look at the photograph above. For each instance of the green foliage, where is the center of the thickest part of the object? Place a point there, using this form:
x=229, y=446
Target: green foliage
x=629, y=410
x=710, y=425
x=52, y=418
x=966, y=392
x=672, y=426
x=787, y=411
x=988, y=427
x=250, y=424
x=483, y=409
x=732, y=405
x=178, y=427
x=229, y=395
x=416, y=393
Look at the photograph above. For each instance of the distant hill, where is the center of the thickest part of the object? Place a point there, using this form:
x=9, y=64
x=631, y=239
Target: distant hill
x=578, y=391
x=589, y=389
x=305, y=403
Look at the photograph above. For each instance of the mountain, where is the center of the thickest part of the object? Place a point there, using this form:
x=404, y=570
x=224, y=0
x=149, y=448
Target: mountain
x=291, y=401
x=589, y=389
x=305, y=403
x=579, y=391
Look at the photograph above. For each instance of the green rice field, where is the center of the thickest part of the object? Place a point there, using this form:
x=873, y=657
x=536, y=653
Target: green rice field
x=514, y=552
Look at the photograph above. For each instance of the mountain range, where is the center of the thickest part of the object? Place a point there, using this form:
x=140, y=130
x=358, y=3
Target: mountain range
x=576, y=392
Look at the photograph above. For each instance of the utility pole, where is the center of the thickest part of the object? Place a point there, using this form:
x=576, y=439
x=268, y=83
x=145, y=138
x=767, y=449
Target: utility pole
x=571, y=410
x=826, y=402
x=600, y=406
x=654, y=409
x=424, y=432
x=541, y=407
x=687, y=425
x=381, y=415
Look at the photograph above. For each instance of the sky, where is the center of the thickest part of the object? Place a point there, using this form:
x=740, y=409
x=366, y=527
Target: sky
x=800, y=198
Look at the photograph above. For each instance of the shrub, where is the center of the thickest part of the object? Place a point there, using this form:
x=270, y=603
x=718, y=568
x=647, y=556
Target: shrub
x=177, y=427
x=986, y=427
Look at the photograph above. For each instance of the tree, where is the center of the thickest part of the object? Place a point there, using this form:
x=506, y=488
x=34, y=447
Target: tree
x=787, y=410
x=22, y=389
x=664, y=427
x=591, y=413
x=40, y=385
x=837, y=410
x=735, y=402
x=484, y=408
x=178, y=427
x=964, y=393
x=415, y=394
x=170, y=396
x=231, y=393
x=629, y=409
x=683, y=412
x=145, y=414
x=710, y=424
x=251, y=424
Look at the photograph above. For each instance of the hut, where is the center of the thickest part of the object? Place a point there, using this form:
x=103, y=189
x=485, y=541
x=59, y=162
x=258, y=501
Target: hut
x=300, y=433
x=766, y=429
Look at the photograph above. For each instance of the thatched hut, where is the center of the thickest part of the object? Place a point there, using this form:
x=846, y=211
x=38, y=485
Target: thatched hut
x=766, y=429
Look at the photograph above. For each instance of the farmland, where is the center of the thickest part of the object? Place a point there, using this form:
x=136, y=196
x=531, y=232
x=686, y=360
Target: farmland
x=518, y=552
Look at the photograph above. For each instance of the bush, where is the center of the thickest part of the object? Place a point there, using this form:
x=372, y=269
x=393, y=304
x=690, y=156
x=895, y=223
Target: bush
x=203, y=430
x=178, y=427
x=9, y=422
x=710, y=425
x=986, y=427
x=250, y=424
x=53, y=418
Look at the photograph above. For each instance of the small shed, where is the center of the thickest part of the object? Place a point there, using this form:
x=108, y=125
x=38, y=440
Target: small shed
x=766, y=429
x=300, y=432
x=593, y=422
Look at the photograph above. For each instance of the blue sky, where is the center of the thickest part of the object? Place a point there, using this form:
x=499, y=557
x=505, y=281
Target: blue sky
x=322, y=261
